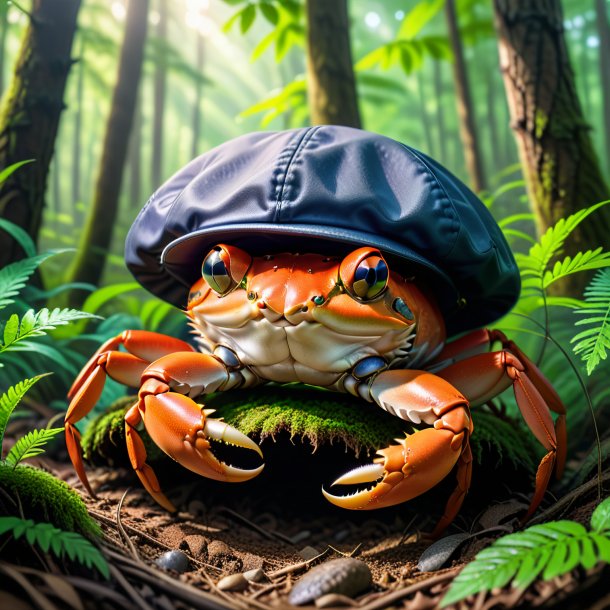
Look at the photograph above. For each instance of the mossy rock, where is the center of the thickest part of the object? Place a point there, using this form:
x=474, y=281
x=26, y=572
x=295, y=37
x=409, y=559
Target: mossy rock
x=314, y=416
x=45, y=498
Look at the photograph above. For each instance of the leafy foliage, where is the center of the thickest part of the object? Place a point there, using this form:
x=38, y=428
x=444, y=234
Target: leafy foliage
x=10, y=399
x=30, y=445
x=59, y=542
x=35, y=324
x=593, y=342
x=548, y=550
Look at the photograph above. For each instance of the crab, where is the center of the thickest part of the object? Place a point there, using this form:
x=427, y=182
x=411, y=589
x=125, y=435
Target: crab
x=347, y=324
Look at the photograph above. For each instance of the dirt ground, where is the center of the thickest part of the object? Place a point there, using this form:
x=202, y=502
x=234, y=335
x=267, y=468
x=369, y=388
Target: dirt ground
x=281, y=524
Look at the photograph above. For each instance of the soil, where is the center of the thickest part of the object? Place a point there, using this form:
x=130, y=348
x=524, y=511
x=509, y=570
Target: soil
x=280, y=523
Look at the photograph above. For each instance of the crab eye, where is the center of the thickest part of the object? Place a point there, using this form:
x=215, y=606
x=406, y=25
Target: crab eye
x=224, y=268
x=364, y=274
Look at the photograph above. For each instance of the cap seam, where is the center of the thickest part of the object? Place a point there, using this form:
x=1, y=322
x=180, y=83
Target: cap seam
x=279, y=201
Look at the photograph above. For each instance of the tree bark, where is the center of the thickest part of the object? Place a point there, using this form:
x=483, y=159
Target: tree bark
x=159, y=98
x=465, y=107
x=3, y=33
x=603, y=31
x=197, y=104
x=97, y=235
x=331, y=86
x=77, y=142
x=561, y=169
x=30, y=115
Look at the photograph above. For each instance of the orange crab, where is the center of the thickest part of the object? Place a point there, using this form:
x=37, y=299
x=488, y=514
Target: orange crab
x=347, y=324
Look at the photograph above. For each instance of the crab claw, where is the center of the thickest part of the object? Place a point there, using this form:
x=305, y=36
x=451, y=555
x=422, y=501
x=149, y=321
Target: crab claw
x=183, y=430
x=404, y=471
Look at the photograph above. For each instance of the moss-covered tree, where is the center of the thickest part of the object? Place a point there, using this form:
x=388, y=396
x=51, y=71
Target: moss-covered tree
x=561, y=169
x=331, y=86
x=30, y=115
x=97, y=235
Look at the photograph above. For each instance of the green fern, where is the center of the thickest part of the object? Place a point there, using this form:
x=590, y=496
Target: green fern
x=13, y=277
x=593, y=342
x=36, y=324
x=548, y=550
x=59, y=542
x=10, y=399
x=30, y=445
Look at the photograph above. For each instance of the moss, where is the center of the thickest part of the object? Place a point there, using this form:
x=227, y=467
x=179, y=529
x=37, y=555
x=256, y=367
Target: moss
x=47, y=499
x=312, y=415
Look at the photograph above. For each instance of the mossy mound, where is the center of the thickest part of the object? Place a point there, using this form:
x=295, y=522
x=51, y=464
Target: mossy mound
x=314, y=416
x=47, y=499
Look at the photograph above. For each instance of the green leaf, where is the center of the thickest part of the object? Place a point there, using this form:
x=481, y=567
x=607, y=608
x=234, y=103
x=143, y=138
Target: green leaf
x=30, y=445
x=247, y=18
x=20, y=236
x=600, y=519
x=38, y=324
x=594, y=342
x=11, y=169
x=582, y=261
x=269, y=12
x=232, y=21
x=418, y=17
x=103, y=295
x=10, y=399
x=61, y=543
x=549, y=549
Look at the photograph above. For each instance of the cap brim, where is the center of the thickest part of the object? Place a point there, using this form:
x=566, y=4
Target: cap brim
x=183, y=256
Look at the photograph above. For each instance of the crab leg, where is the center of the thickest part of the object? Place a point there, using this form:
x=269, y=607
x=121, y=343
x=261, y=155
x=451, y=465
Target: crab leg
x=142, y=347
x=483, y=376
x=419, y=461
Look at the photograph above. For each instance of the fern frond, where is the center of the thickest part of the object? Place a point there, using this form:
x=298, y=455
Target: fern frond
x=13, y=277
x=30, y=445
x=10, y=399
x=536, y=262
x=582, y=261
x=592, y=344
x=36, y=324
x=59, y=542
x=547, y=550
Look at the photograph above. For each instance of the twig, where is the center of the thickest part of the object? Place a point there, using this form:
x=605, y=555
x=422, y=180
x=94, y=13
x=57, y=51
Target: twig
x=122, y=531
x=129, y=589
x=36, y=596
x=394, y=596
x=295, y=567
x=263, y=532
x=265, y=589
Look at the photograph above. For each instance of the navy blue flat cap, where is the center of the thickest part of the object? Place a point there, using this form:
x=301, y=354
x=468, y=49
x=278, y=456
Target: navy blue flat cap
x=328, y=189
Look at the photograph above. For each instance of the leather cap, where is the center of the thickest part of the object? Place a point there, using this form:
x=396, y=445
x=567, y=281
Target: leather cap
x=328, y=189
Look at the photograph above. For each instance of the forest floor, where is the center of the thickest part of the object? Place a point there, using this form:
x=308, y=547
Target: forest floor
x=280, y=523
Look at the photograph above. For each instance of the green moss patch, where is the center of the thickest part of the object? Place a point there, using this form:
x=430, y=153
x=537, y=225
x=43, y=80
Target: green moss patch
x=313, y=416
x=47, y=499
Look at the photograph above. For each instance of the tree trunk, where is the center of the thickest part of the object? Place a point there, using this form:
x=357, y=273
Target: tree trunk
x=439, y=91
x=77, y=142
x=97, y=235
x=425, y=119
x=3, y=33
x=495, y=161
x=603, y=31
x=135, y=157
x=30, y=115
x=197, y=105
x=560, y=166
x=159, y=98
x=331, y=86
x=468, y=131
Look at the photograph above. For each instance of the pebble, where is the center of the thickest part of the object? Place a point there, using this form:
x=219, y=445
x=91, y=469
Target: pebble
x=196, y=544
x=174, y=560
x=438, y=553
x=334, y=600
x=345, y=576
x=233, y=582
x=308, y=552
x=257, y=575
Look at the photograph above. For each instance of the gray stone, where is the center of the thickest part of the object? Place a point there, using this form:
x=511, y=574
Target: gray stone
x=174, y=560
